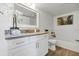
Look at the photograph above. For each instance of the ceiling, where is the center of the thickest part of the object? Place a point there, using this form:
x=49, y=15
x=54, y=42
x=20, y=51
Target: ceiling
x=57, y=8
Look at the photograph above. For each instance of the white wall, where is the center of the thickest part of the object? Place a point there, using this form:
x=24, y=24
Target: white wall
x=5, y=23
x=45, y=20
x=6, y=8
x=68, y=34
x=3, y=43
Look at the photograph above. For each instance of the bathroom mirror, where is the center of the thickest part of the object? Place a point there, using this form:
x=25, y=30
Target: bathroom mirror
x=26, y=17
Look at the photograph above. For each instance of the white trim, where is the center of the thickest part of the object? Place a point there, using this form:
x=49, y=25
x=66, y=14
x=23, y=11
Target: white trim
x=68, y=45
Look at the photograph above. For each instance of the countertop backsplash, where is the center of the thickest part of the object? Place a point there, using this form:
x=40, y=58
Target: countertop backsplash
x=29, y=30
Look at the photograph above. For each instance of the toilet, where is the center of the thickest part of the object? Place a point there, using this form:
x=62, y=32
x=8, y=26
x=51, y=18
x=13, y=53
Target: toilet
x=52, y=41
x=52, y=44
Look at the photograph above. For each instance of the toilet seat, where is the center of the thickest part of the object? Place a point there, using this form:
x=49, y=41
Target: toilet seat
x=53, y=41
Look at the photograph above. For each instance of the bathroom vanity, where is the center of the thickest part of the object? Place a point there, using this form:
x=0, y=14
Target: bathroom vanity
x=28, y=44
x=31, y=44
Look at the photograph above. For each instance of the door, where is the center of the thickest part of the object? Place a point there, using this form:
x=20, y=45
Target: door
x=43, y=46
x=31, y=49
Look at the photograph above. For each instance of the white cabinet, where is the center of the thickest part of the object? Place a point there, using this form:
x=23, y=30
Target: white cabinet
x=39, y=47
x=29, y=46
x=43, y=47
x=31, y=49
x=24, y=50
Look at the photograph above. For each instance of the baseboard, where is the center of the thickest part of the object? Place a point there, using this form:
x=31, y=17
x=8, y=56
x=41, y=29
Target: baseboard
x=68, y=45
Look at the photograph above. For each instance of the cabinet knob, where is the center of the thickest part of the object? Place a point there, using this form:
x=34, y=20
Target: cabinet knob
x=38, y=45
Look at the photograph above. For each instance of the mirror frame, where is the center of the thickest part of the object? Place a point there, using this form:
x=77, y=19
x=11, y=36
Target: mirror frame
x=37, y=15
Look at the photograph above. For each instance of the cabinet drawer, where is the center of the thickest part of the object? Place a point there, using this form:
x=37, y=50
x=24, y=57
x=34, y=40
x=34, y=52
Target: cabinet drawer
x=24, y=50
x=17, y=42
x=16, y=51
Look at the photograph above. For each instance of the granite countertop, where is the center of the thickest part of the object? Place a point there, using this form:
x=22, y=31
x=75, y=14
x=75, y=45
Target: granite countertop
x=7, y=37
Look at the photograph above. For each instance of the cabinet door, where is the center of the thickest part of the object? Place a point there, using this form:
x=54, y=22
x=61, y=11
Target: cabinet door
x=24, y=50
x=31, y=49
x=43, y=46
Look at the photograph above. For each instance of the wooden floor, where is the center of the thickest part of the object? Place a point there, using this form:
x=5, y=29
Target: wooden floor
x=62, y=52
